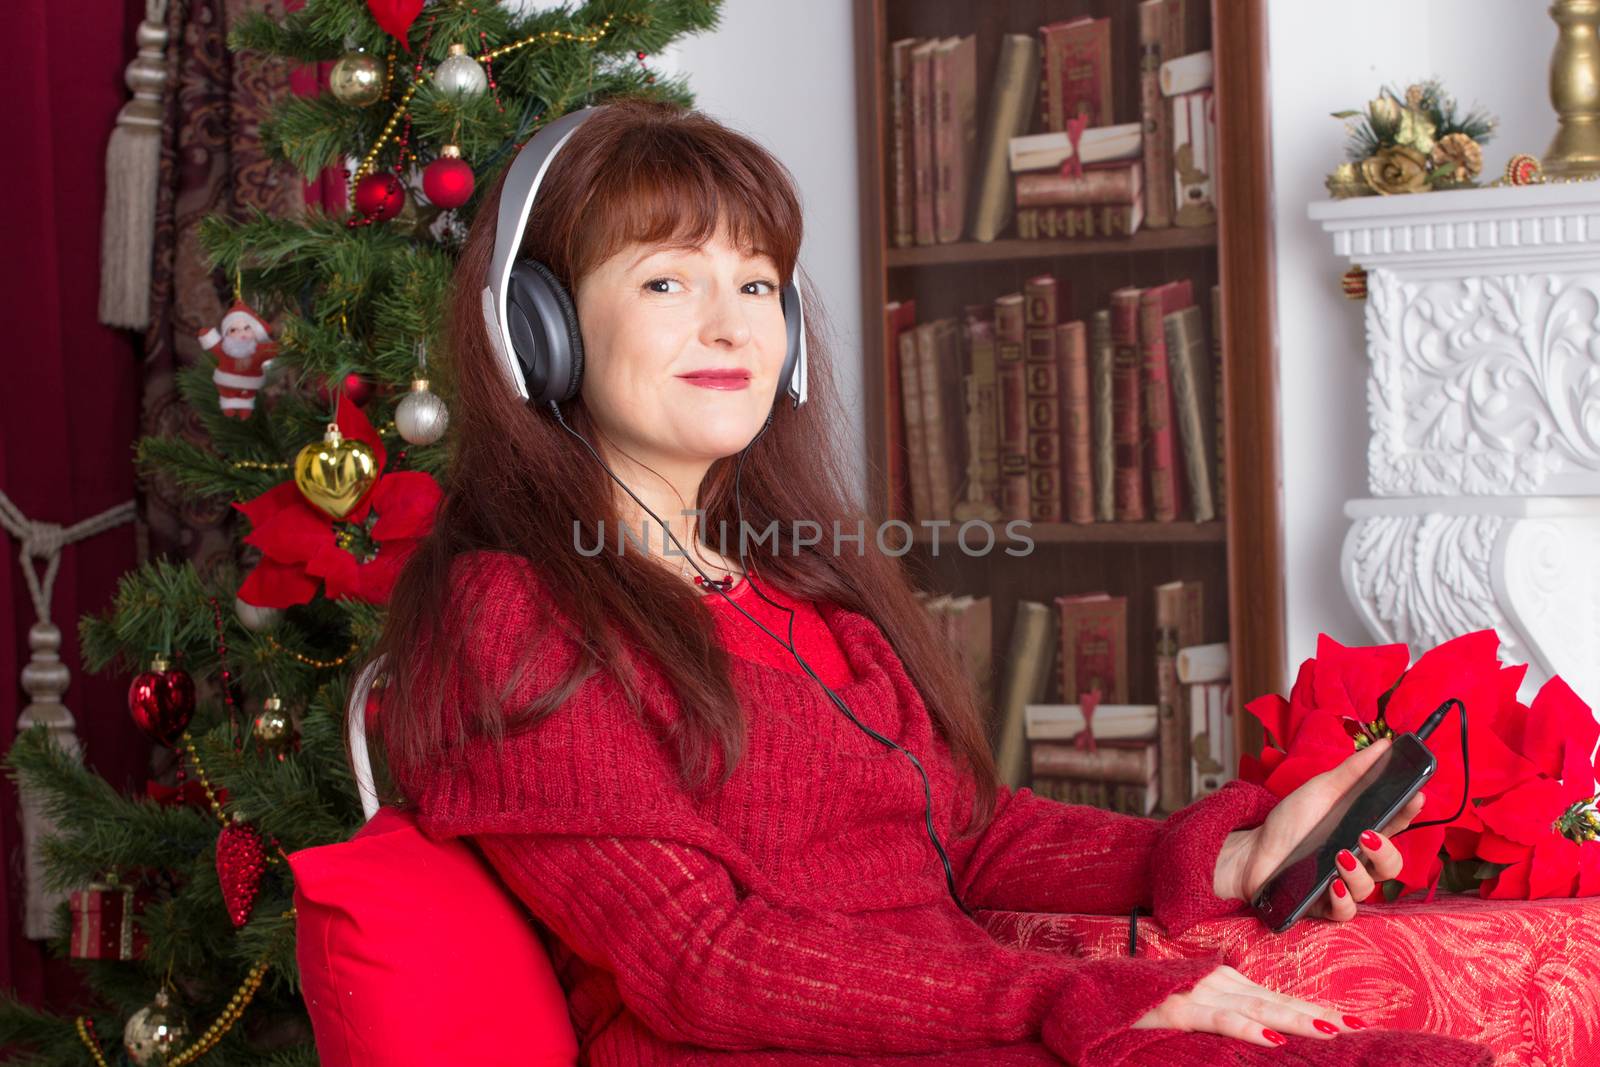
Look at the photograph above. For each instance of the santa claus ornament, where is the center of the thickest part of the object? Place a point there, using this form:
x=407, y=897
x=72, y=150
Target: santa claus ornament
x=243, y=349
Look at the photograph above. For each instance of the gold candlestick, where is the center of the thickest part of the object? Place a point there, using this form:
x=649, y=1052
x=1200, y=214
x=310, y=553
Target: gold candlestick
x=1575, y=90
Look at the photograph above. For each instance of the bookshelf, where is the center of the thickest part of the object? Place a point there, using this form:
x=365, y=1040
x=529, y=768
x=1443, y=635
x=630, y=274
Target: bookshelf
x=1238, y=557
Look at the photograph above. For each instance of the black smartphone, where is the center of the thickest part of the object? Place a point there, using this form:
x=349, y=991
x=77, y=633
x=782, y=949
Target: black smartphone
x=1380, y=794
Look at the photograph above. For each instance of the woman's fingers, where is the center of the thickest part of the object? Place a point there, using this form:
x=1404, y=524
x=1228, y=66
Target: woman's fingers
x=1341, y=901
x=1403, y=819
x=1227, y=1022
x=1383, y=860
x=1282, y=1014
x=1355, y=876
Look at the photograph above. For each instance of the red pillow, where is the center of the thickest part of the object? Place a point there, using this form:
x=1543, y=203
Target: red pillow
x=411, y=952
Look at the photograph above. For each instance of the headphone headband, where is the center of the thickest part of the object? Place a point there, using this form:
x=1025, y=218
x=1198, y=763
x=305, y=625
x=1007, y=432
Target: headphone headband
x=526, y=294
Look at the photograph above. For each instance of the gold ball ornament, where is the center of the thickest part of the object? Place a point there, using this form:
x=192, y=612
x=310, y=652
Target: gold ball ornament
x=458, y=74
x=273, y=727
x=357, y=79
x=421, y=417
x=1523, y=169
x=335, y=474
x=154, y=1033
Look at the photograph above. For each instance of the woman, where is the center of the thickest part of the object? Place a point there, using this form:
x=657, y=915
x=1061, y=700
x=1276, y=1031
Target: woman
x=731, y=871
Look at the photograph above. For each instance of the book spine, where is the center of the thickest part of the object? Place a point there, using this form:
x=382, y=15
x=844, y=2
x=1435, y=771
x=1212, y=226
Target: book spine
x=1100, y=373
x=1129, y=485
x=1107, y=763
x=945, y=220
x=1119, y=185
x=987, y=399
x=922, y=143
x=1185, y=354
x=964, y=103
x=896, y=319
x=1161, y=451
x=1086, y=72
x=1160, y=39
x=1219, y=402
x=1026, y=674
x=1011, y=111
x=1194, y=138
x=1125, y=798
x=1213, y=753
x=916, y=439
x=1043, y=399
x=1072, y=346
x=1012, y=381
x=1050, y=79
x=942, y=422
x=1086, y=221
x=1172, y=731
x=900, y=142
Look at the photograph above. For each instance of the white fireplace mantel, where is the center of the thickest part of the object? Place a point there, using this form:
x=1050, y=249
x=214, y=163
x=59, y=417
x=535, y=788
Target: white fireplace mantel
x=1483, y=400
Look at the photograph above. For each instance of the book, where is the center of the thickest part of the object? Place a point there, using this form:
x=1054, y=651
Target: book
x=1214, y=756
x=900, y=133
x=955, y=132
x=983, y=416
x=1098, y=144
x=1161, y=449
x=1127, y=426
x=917, y=474
x=1194, y=140
x=1072, y=348
x=1121, y=183
x=1105, y=460
x=1094, y=646
x=1012, y=381
x=1011, y=100
x=1187, y=73
x=1125, y=798
x=1041, y=302
x=1179, y=624
x=922, y=170
x=943, y=433
x=1204, y=663
x=1160, y=39
x=1112, y=761
x=1112, y=722
x=1218, y=403
x=967, y=624
x=1076, y=78
x=899, y=316
x=1029, y=657
x=1191, y=389
x=1090, y=220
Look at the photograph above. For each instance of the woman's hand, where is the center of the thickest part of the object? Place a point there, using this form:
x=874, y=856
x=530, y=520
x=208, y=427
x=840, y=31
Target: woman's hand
x=1226, y=1002
x=1249, y=857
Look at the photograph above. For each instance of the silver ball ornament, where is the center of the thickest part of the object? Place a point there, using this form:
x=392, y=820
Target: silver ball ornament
x=357, y=79
x=154, y=1034
x=459, y=74
x=256, y=619
x=421, y=417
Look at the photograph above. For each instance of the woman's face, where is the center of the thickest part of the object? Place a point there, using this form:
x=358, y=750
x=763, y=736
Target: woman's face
x=682, y=349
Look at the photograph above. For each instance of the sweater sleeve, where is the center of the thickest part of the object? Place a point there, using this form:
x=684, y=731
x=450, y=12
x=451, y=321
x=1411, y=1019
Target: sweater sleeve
x=1043, y=855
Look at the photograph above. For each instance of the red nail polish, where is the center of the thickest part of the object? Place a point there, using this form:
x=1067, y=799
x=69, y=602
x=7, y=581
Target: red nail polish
x=1339, y=889
x=1325, y=1026
x=1274, y=1037
x=1346, y=860
x=1354, y=1023
x=1369, y=841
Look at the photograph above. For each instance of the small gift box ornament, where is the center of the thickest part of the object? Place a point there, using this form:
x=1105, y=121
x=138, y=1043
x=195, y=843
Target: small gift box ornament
x=102, y=922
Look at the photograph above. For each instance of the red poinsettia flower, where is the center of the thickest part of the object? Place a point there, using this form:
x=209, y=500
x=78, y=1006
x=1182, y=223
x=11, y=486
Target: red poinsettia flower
x=1334, y=709
x=357, y=557
x=1547, y=829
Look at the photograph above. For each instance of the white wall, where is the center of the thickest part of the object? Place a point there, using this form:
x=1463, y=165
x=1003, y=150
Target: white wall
x=784, y=74
x=1327, y=58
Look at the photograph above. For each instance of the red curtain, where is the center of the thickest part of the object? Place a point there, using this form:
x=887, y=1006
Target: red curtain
x=69, y=399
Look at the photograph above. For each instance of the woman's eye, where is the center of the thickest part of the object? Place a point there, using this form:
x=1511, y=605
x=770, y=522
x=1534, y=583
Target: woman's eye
x=660, y=281
x=772, y=287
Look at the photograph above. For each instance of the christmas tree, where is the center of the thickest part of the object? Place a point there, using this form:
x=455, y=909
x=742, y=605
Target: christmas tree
x=326, y=408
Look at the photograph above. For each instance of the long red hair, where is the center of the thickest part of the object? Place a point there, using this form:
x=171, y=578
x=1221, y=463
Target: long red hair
x=648, y=172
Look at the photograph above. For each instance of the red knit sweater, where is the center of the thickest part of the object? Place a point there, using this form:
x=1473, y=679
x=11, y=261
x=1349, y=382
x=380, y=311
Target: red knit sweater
x=799, y=914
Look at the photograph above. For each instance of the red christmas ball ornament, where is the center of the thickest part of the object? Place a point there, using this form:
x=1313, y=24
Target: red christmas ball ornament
x=241, y=860
x=161, y=701
x=447, y=181
x=357, y=388
x=380, y=196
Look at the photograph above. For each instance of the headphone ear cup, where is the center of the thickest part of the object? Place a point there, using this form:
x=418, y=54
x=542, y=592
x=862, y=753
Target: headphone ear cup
x=543, y=323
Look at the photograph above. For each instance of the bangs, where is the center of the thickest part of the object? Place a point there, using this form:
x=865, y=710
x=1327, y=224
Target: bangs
x=670, y=186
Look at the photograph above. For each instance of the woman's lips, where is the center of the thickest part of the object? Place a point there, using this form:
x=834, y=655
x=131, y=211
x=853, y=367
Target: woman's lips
x=718, y=379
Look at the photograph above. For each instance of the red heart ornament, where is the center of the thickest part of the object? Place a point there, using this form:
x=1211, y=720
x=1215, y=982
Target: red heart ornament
x=161, y=701
x=241, y=860
x=395, y=17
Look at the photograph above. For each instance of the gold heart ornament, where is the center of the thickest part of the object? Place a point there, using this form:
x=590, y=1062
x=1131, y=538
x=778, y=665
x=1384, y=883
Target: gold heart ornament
x=334, y=474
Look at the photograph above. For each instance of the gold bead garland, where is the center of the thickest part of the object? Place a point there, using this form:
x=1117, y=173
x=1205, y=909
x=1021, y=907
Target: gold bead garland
x=370, y=160
x=213, y=1034
x=308, y=661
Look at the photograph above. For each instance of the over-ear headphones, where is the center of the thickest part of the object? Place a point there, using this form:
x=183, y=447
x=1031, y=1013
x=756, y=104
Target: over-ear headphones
x=532, y=319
